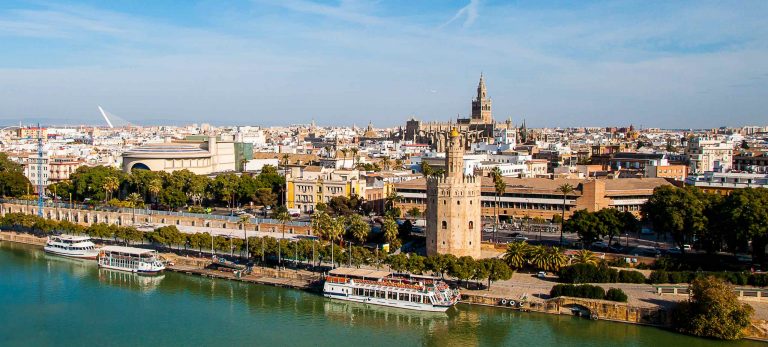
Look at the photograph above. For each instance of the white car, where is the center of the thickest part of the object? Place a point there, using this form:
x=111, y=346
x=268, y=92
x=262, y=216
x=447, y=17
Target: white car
x=541, y=274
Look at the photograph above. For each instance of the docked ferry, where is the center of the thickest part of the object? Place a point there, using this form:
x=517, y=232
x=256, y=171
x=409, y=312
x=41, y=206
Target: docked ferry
x=131, y=259
x=71, y=246
x=385, y=289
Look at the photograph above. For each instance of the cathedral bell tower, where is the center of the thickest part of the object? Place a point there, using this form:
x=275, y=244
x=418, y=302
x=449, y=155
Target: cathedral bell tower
x=481, y=105
x=453, y=205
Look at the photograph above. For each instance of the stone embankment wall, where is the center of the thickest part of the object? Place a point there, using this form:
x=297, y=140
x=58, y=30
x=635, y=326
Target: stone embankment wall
x=600, y=309
x=89, y=217
x=22, y=238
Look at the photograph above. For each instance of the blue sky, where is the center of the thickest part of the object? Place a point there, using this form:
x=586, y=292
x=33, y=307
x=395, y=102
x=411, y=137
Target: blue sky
x=682, y=64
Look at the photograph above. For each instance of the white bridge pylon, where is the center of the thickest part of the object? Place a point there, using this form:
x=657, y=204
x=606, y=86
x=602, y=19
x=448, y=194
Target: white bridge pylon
x=112, y=120
x=104, y=114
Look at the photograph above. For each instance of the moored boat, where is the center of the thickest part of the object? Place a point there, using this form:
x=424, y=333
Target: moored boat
x=382, y=288
x=71, y=246
x=131, y=259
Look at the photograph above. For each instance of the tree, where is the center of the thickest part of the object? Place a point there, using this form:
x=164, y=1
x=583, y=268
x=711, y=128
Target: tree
x=516, y=254
x=281, y=215
x=566, y=189
x=499, y=187
x=154, y=188
x=13, y=183
x=612, y=223
x=555, y=259
x=440, y=264
x=398, y=262
x=109, y=185
x=712, y=311
x=748, y=209
x=586, y=224
x=414, y=212
x=538, y=257
x=679, y=211
x=426, y=169
x=135, y=200
x=389, y=228
x=358, y=228
x=584, y=256
x=497, y=270
x=463, y=268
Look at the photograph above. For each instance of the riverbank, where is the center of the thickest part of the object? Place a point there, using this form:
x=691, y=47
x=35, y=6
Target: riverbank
x=533, y=289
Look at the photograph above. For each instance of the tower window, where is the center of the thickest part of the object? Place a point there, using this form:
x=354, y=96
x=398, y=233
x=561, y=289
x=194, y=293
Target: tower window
x=445, y=225
x=458, y=202
x=471, y=224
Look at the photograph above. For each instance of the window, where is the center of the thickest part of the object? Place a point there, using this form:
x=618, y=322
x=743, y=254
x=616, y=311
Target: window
x=445, y=225
x=471, y=224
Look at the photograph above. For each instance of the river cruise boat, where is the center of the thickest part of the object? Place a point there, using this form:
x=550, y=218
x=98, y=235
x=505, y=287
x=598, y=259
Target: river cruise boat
x=131, y=259
x=71, y=246
x=385, y=289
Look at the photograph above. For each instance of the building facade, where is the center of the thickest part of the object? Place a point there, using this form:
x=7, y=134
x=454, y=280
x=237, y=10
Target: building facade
x=453, y=206
x=538, y=197
x=310, y=185
x=709, y=155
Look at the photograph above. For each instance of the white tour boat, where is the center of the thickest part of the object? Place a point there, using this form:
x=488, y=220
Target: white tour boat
x=71, y=246
x=138, y=260
x=382, y=288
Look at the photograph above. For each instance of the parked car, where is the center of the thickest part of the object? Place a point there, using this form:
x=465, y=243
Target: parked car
x=600, y=245
x=541, y=274
x=519, y=238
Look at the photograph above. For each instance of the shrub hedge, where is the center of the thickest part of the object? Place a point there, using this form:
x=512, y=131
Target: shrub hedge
x=579, y=291
x=588, y=273
x=588, y=291
x=737, y=278
x=616, y=294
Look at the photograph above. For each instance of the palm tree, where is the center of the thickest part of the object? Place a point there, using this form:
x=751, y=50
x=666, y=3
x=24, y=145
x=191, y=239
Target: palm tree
x=344, y=151
x=154, y=187
x=516, y=254
x=556, y=259
x=399, y=163
x=110, y=184
x=386, y=163
x=499, y=187
x=566, y=189
x=358, y=228
x=538, y=257
x=282, y=215
x=245, y=219
x=584, y=256
x=135, y=199
x=389, y=227
x=355, y=157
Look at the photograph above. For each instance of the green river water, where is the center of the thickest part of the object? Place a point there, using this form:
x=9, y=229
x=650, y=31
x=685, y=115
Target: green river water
x=52, y=301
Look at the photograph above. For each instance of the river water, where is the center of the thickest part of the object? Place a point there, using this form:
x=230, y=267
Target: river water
x=52, y=301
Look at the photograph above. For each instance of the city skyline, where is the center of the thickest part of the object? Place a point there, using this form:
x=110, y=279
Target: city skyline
x=680, y=65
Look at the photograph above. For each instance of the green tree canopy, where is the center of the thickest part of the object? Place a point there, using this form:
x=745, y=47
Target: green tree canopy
x=712, y=311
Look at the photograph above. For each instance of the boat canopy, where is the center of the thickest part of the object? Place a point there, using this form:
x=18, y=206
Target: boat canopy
x=127, y=250
x=75, y=238
x=359, y=273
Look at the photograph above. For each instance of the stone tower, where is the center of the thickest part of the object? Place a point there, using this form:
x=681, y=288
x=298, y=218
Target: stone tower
x=453, y=206
x=481, y=105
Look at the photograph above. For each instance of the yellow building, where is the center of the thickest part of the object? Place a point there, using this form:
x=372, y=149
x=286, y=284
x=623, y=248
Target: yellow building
x=307, y=186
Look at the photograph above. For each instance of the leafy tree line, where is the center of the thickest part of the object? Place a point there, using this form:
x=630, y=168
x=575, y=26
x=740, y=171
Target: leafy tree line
x=271, y=250
x=736, y=223
x=173, y=190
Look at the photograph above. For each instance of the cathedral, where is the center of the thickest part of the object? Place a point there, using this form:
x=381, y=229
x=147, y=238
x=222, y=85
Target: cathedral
x=479, y=127
x=453, y=204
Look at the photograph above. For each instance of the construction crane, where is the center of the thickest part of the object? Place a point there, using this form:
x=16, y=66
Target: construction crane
x=40, y=187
